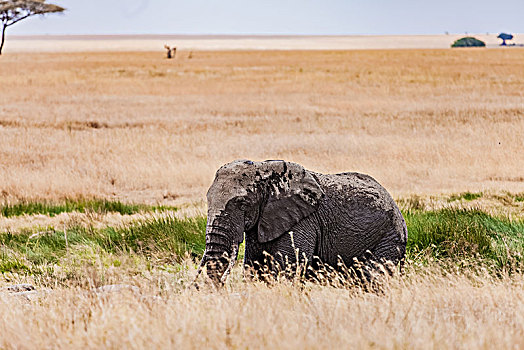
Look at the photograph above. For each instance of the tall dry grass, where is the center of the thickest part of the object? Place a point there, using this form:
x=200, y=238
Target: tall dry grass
x=137, y=127
x=422, y=310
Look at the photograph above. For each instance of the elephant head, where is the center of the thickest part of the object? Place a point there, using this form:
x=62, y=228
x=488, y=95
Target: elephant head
x=267, y=198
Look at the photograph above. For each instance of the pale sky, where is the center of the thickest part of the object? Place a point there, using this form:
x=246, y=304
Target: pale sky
x=278, y=17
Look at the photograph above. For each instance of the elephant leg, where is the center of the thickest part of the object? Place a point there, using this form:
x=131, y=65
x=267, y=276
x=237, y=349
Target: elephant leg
x=379, y=262
x=292, y=253
x=253, y=256
x=391, y=251
x=392, y=248
x=280, y=255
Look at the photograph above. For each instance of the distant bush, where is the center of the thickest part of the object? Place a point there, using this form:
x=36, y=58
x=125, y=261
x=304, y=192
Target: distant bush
x=469, y=42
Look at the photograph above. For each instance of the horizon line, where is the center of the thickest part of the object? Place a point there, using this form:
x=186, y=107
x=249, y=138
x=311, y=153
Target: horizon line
x=241, y=35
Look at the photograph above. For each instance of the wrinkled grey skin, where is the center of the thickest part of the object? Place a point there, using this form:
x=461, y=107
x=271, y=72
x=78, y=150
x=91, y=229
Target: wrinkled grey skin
x=334, y=216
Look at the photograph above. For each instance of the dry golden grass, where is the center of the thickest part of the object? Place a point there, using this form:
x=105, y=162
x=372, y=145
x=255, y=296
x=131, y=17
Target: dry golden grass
x=137, y=127
x=422, y=310
x=40, y=222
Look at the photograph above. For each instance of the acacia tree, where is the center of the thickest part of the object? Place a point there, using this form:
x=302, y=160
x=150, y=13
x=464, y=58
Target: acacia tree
x=13, y=11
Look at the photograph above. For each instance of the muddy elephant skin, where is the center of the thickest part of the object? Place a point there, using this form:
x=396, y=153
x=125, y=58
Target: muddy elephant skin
x=278, y=207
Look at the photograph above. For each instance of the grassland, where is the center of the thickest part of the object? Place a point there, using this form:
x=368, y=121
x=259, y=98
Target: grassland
x=462, y=288
x=138, y=128
x=438, y=234
x=105, y=159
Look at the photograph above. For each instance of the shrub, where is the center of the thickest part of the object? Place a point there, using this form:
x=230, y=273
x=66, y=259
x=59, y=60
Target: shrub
x=469, y=42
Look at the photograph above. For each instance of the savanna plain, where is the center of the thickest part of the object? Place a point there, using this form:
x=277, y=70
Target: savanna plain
x=105, y=159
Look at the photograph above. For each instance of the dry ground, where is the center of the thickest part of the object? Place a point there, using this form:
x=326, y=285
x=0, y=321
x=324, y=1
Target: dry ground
x=138, y=127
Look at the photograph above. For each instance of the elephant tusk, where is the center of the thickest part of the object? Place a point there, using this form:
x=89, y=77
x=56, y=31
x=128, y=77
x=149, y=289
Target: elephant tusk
x=199, y=270
x=232, y=261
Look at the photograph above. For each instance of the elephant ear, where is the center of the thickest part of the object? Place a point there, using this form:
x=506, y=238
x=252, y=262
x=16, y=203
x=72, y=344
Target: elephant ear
x=294, y=194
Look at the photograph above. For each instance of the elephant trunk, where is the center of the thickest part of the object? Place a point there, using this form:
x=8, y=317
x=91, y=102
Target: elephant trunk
x=222, y=244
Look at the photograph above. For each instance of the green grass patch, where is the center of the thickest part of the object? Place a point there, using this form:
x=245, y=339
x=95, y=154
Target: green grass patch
x=168, y=234
x=467, y=196
x=456, y=234
x=519, y=197
x=82, y=205
x=11, y=263
x=166, y=237
x=461, y=233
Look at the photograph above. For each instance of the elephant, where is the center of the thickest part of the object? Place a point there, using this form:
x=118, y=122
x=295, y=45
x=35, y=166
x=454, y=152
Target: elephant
x=280, y=208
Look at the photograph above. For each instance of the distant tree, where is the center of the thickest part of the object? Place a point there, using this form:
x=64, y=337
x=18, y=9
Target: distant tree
x=505, y=37
x=13, y=11
x=469, y=42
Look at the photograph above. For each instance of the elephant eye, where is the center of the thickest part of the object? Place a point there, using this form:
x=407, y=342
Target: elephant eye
x=241, y=202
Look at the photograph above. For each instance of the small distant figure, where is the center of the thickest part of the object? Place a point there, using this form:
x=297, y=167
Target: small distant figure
x=168, y=51
x=171, y=52
x=190, y=56
x=504, y=37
